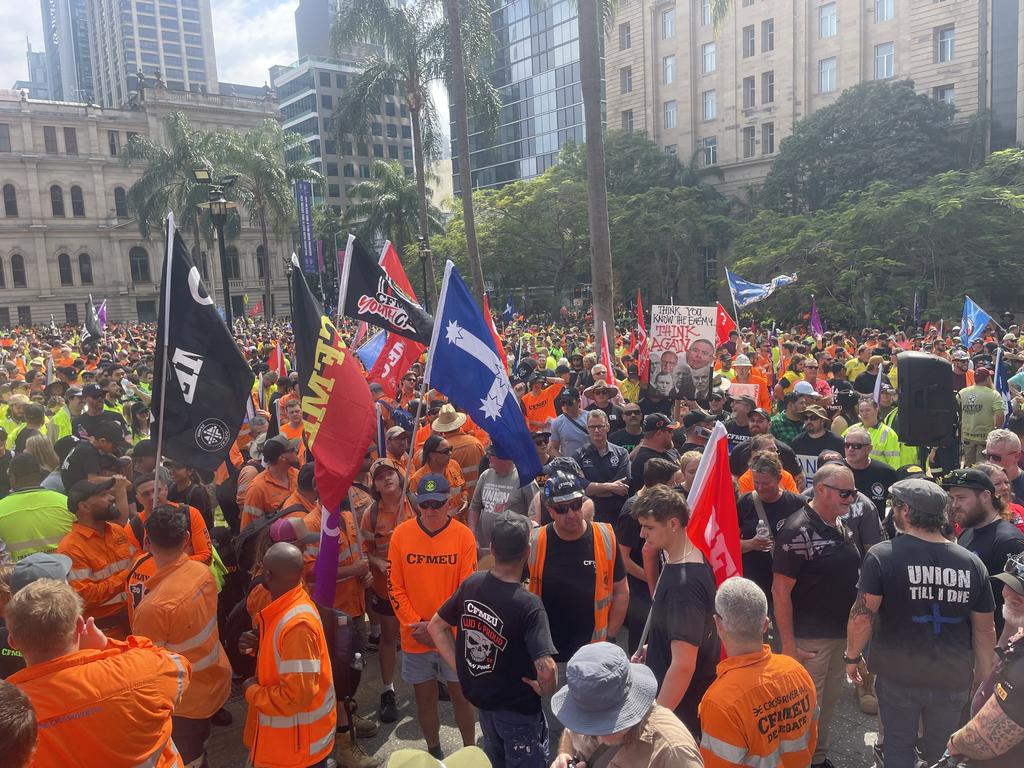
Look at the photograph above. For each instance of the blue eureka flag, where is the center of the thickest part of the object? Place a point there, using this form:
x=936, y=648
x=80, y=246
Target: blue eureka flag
x=1002, y=385
x=745, y=293
x=463, y=363
x=510, y=311
x=973, y=323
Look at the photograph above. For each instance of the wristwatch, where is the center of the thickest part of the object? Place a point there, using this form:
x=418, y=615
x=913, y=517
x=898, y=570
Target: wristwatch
x=856, y=660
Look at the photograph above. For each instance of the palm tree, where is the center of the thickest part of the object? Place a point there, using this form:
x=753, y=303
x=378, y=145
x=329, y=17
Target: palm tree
x=388, y=204
x=267, y=161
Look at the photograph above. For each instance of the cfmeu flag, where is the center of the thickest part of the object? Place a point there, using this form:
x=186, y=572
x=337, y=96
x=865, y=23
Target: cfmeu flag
x=974, y=321
x=339, y=419
x=91, y=332
x=463, y=363
x=201, y=382
x=398, y=352
x=714, y=525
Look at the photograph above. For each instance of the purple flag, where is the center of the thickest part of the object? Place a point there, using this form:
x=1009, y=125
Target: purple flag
x=101, y=314
x=326, y=568
x=816, y=327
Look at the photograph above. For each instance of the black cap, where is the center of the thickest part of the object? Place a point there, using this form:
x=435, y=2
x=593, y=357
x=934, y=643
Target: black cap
x=92, y=390
x=84, y=489
x=697, y=417
x=569, y=394
x=563, y=486
x=144, y=449
x=974, y=479
x=762, y=412
x=510, y=536
x=306, y=472
x=657, y=421
x=73, y=392
x=112, y=431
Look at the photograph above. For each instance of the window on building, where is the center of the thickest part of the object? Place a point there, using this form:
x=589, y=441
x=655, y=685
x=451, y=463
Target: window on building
x=18, y=271
x=146, y=310
x=57, y=201
x=707, y=57
x=945, y=43
x=705, y=13
x=670, y=118
x=120, y=203
x=364, y=171
x=709, y=147
x=827, y=21
x=625, y=38
x=708, y=105
x=391, y=131
x=749, y=92
x=749, y=44
x=5, y=137
x=885, y=61
x=138, y=265
x=77, y=202
x=710, y=264
x=627, y=120
x=5, y=317
x=234, y=267
x=71, y=313
x=625, y=80
x=768, y=87
x=24, y=315
x=50, y=139
x=883, y=10
x=944, y=93
x=10, y=201
x=767, y=35
x=767, y=138
x=668, y=70
x=668, y=23
x=85, y=268
x=827, y=75
x=71, y=141
x=260, y=263
x=406, y=130
x=749, y=141
x=392, y=151
x=326, y=101
x=114, y=143
x=378, y=150
x=348, y=170
x=64, y=269
x=407, y=153
x=334, y=190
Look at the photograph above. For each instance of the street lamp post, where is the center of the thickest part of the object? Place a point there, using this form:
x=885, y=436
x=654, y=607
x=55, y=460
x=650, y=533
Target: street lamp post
x=288, y=277
x=218, y=206
x=424, y=257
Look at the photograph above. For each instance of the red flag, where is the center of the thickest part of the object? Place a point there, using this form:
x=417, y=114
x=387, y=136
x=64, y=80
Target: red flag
x=723, y=325
x=714, y=525
x=632, y=342
x=494, y=333
x=606, y=358
x=394, y=360
x=276, y=362
x=257, y=309
x=393, y=266
x=643, y=342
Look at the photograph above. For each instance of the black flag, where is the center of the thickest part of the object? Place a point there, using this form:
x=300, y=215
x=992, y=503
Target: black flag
x=91, y=332
x=371, y=295
x=206, y=378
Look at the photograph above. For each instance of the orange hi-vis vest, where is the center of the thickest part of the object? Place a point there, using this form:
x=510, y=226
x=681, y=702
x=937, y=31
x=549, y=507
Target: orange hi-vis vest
x=99, y=573
x=292, y=708
x=761, y=710
x=179, y=613
x=111, y=707
x=605, y=552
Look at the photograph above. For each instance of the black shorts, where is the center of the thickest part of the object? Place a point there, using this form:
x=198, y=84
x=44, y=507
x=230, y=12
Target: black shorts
x=380, y=605
x=190, y=737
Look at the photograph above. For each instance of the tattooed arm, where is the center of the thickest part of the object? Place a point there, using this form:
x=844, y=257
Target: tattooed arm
x=858, y=631
x=989, y=734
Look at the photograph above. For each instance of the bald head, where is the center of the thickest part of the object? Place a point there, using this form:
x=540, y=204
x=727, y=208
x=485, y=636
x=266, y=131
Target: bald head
x=283, y=567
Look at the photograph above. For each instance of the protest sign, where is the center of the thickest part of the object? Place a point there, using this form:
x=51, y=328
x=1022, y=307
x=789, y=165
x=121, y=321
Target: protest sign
x=682, y=350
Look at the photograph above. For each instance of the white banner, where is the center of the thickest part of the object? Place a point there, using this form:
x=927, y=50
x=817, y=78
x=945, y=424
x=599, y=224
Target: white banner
x=682, y=350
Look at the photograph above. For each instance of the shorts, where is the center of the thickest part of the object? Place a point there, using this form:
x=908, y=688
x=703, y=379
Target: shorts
x=423, y=667
x=380, y=605
x=190, y=737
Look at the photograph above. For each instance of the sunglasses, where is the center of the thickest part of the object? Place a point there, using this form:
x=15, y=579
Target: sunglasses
x=844, y=493
x=432, y=504
x=572, y=506
x=856, y=446
x=631, y=413
x=445, y=452
x=996, y=456
x=541, y=440
x=597, y=426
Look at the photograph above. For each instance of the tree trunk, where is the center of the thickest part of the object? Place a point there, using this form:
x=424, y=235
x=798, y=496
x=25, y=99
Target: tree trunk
x=430, y=289
x=267, y=311
x=597, y=189
x=451, y=10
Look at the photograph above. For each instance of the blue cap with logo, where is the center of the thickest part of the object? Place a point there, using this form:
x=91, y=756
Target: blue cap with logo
x=432, y=488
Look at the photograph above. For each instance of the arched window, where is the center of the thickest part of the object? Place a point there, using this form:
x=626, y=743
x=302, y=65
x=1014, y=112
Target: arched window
x=57, y=200
x=85, y=268
x=10, y=201
x=260, y=262
x=234, y=269
x=77, y=203
x=120, y=203
x=138, y=261
x=18, y=270
x=64, y=269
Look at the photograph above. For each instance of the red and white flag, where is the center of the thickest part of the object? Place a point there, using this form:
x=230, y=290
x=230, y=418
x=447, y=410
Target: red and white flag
x=724, y=324
x=276, y=362
x=494, y=333
x=399, y=352
x=714, y=525
x=392, y=264
x=642, y=341
x=606, y=358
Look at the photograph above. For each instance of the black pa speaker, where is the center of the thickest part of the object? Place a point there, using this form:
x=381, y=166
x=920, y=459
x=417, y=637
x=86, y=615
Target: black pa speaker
x=927, y=402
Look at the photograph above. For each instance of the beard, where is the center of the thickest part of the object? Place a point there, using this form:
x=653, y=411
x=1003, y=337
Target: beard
x=110, y=513
x=1013, y=618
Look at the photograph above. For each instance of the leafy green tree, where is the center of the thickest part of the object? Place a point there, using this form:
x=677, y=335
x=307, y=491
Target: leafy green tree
x=879, y=130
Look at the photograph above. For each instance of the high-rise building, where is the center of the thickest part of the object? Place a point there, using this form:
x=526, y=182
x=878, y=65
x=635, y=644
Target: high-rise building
x=38, y=83
x=68, y=57
x=313, y=26
x=728, y=97
x=537, y=74
x=172, y=39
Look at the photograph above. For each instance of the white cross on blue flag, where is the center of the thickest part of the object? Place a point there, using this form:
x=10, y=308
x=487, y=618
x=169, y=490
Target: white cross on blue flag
x=745, y=293
x=464, y=365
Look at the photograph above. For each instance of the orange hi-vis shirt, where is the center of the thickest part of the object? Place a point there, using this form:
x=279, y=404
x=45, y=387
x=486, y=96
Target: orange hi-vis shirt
x=179, y=613
x=746, y=482
x=457, y=495
x=296, y=499
x=467, y=451
x=349, y=593
x=292, y=706
x=106, y=708
x=539, y=407
x=99, y=571
x=295, y=433
x=424, y=570
x=760, y=710
x=377, y=528
x=266, y=495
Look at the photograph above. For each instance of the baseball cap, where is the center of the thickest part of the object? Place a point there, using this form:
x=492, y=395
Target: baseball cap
x=697, y=417
x=92, y=390
x=920, y=494
x=961, y=354
x=432, y=488
x=717, y=394
x=145, y=448
x=39, y=565
x=745, y=399
x=85, y=489
x=569, y=394
x=909, y=470
x=815, y=410
x=657, y=421
x=1013, y=573
x=510, y=535
x=982, y=374
x=974, y=479
x=381, y=464
x=73, y=392
x=276, y=446
x=804, y=388
x=563, y=486
x=762, y=413
x=396, y=432
x=112, y=431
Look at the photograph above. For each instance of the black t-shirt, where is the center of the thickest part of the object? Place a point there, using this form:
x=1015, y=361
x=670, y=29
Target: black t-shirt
x=825, y=562
x=1006, y=684
x=84, y=460
x=626, y=439
x=865, y=383
x=874, y=481
x=811, y=447
x=5, y=480
x=627, y=534
x=739, y=459
x=84, y=424
x=614, y=414
x=684, y=608
x=736, y=434
x=195, y=496
x=22, y=438
x=649, y=406
x=993, y=543
x=922, y=636
x=10, y=660
x=1017, y=486
x=757, y=566
x=501, y=630
x=569, y=568
x=614, y=465
x=636, y=468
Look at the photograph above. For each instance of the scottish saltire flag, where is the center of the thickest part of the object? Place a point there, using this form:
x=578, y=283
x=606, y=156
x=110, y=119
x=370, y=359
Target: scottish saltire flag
x=1002, y=385
x=973, y=323
x=745, y=293
x=510, y=311
x=464, y=364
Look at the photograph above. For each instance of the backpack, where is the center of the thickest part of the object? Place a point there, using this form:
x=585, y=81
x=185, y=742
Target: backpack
x=227, y=493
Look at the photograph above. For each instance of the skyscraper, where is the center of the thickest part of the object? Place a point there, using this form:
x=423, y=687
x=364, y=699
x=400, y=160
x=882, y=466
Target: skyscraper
x=38, y=83
x=313, y=26
x=174, y=41
x=68, y=58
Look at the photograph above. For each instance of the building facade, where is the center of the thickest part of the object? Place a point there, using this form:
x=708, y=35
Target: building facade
x=68, y=57
x=38, y=83
x=171, y=40
x=728, y=97
x=65, y=228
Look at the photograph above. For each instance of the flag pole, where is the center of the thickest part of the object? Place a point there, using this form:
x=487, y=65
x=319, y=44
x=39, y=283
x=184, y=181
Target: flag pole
x=732, y=295
x=343, y=281
x=163, y=343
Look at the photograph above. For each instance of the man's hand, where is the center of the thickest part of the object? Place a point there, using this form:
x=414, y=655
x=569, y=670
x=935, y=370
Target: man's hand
x=534, y=684
x=358, y=569
x=755, y=545
x=248, y=642
x=420, y=633
x=799, y=654
x=618, y=487
x=121, y=483
x=92, y=637
x=640, y=657
x=563, y=761
x=857, y=672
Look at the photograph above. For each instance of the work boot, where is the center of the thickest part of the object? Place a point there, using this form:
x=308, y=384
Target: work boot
x=365, y=728
x=866, y=698
x=350, y=755
x=388, y=711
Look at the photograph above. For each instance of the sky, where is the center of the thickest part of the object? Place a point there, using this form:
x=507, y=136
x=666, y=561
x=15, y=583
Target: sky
x=249, y=36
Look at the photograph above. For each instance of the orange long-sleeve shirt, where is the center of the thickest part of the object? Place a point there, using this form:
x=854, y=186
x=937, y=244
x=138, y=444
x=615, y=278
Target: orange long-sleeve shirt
x=266, y=495
x=99, y=567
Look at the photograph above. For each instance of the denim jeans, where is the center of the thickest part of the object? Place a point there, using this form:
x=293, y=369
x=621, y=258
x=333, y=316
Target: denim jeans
x=512, y=740
x=902, y=707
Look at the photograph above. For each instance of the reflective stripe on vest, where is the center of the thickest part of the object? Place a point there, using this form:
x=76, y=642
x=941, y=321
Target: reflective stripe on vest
x=85, y=574
x=301, y=718
x=299, y=609
x=154, y=759
x=181, y=676
x=35, y=545
x=208, y=660
x=739, y=755
x=196, y=640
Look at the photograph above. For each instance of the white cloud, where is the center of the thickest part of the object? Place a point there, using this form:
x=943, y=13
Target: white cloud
x=250, y=37
x=17, y=23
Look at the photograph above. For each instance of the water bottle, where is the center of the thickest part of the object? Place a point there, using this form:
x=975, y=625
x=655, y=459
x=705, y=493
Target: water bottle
x=357, y=662
x=763, y=531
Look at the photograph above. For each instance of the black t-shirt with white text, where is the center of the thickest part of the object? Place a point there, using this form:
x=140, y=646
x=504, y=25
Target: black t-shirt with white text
x=10, y=660
x=84, y=460
x=993, y=543
x=501, y=629
x=736, y=434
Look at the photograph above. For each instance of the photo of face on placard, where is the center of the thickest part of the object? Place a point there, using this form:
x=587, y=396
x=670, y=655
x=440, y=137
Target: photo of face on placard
x=682, y=351
x=692, y=374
